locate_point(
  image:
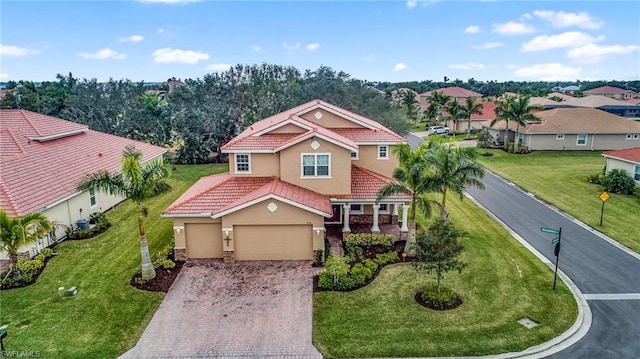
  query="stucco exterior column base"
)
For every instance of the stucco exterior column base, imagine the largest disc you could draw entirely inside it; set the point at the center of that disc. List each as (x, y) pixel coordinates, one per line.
(229, 257)
(180, 254)
(404, 236)
(375, 231)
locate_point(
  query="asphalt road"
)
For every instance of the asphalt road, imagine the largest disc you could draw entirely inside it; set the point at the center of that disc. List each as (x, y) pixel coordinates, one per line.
(608, 276)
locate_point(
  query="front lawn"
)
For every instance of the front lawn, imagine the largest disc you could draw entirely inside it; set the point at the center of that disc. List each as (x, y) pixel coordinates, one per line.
(503, 283)
(107, 316)
(560, 178)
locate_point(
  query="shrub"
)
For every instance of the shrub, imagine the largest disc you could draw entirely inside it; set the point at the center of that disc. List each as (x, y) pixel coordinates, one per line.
(484, 139)
(386, 258)
(595, 179)
(40, 257)
(47, 252)
(13, 282)
(353, 252)
(166, 264)
(445, 299)
(162, 258)
(319, 258)
(336, 267)
(636, 192)
(360, 274)
(370, 239)
(341, 282)
(373, 266)
(26, 265)
(327, 249)
(618, 181)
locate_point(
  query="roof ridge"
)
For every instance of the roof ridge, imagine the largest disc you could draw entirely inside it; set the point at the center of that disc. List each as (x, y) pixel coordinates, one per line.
(10, 199)
(28, 120)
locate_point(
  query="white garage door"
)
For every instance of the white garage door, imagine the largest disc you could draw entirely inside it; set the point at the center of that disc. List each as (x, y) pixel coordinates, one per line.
(281, 242)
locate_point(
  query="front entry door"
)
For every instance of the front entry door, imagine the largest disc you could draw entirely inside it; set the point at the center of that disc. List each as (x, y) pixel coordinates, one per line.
(336, 214)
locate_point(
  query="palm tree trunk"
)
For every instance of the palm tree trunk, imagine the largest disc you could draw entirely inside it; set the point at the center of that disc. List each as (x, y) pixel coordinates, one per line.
(411, 238)
(444, 198)
(515, 139)
(13, 266)
(506, 137)
(469, 128)
(148, 272)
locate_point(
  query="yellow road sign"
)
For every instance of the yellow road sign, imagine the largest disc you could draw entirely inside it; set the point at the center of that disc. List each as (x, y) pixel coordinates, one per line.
(604, 196)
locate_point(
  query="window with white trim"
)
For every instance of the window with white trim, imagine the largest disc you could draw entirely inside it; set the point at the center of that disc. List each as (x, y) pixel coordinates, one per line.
(92, 197)
(629, 136)
(384, 208)
(560, 137)
(355, 208)
(316, 165)
(243, 163)
(636, 176)
(383, 152)
(581, 140)
(354, 155)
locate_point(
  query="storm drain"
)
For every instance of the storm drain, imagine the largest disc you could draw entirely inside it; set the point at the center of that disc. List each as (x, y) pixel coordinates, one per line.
(527, 322)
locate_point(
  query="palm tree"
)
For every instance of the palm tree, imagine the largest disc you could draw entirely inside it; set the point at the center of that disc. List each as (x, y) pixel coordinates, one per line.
(469, 109)
(452, 168)
(409, 101)
(520, 112)
(135, 182)
(502, 111)
(16, 232)
(432, 113)
(456, 112)
(411, 179)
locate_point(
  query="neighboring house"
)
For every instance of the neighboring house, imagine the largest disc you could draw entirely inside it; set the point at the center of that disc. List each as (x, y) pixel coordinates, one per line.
(455, 92)
(478, 121)
(610, 91)
(43, 159)
(397, 95)
(573, 129)
(627, 159)
(568, 89)
(617, 107)
(293, 178)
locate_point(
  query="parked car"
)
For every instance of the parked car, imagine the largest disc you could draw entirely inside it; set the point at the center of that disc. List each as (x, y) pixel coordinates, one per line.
(438, 130)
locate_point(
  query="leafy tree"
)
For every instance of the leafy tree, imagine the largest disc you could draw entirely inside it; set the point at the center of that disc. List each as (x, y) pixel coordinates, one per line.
(618, 181)
(471, 107)
(16, 232)
(438, 249)
(137, 182)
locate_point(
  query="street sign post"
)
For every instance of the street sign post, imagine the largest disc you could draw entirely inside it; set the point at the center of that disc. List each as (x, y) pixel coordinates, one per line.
(556, 249)
(604, 196)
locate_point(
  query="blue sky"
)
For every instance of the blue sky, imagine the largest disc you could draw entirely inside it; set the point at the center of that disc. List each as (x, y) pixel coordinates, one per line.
(153, 40)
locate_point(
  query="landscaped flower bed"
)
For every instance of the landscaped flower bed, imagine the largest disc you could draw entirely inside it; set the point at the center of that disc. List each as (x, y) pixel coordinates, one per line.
(30, 270)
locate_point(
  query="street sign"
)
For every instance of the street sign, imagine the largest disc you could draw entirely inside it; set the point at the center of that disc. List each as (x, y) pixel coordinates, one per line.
(555, 240)
(549, 230)
(604, 196)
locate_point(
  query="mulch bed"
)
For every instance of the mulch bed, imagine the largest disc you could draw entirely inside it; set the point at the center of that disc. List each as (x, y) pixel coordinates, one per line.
(418, 299)
(161, 283)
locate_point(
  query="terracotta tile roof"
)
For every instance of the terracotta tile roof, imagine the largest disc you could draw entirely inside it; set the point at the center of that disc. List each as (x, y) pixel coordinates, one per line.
(365, 184)
(37, 174)
(365, 135)
(627, 154)
(454, 91)
(607, 89)
(268, 141)
(596, 101)
(223, 193)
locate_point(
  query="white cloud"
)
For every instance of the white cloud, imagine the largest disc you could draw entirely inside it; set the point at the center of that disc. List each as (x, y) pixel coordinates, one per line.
(412, 3)
(512, 66)
(4, 76)
(9, 50)
(173, 2)
(169, 55)
(132, 38)
(595, 53)
(467, 66)
(103, 54)
(513, 28)
(313, 46)
(369, 58)
(160, 31)
(566, 19)
(256, 48)
(218, 67)
(472, 29)
(549, 72)
(295, 46)
(399, 66)
(489, 46)
(566, 39)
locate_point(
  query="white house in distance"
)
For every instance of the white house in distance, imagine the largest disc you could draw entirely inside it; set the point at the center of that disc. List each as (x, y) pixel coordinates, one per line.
(43, 159)
(627, 159)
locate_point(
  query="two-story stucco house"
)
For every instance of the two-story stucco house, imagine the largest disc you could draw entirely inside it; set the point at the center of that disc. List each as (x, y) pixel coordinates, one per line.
(291, 177)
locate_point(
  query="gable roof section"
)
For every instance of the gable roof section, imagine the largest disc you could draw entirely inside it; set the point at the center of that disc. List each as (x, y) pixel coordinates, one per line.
(607, 89)
(218, 195)
(365, 185)
(38, 174)
(627, 155)
(453, 91)
(596, 101)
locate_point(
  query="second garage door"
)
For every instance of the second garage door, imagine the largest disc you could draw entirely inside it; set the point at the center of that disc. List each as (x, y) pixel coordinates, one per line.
(281, 242)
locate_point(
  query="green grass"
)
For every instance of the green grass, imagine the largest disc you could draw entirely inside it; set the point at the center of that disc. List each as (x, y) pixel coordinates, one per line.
(559, 178)
(503, 283)
(107, 316)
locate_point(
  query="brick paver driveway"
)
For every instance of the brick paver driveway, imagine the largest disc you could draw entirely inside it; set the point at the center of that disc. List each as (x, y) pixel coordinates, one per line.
(240, 310)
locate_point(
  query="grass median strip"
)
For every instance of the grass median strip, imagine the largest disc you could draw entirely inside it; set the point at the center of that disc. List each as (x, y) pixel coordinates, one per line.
(108, 315)
(502, 284)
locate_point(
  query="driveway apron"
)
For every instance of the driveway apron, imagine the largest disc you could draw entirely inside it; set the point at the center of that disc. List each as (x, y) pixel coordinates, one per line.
(239, 310)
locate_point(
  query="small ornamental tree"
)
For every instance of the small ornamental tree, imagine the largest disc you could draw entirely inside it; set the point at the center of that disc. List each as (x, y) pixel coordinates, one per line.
(618, 181)
(437, 249)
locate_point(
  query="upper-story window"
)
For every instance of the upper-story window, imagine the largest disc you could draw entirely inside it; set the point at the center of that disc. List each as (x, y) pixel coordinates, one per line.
(354, 155)
(243, 163)
(383, 152)
(316, 165)
(92, 197)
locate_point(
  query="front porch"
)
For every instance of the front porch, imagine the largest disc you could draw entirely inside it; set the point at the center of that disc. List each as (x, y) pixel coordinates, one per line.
(334, 233)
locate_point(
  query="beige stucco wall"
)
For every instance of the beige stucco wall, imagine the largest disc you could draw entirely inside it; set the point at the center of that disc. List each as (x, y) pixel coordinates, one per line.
(368, 158)
(599, 142)
(340, 167)
(285, 214)
(179, 233)
(262, 165)
(289, 129)
(329, 120)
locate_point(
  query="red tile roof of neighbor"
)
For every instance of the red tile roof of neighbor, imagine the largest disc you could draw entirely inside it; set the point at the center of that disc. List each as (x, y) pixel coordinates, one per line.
(214, 195)
(371, 131)
(38, 173)
(607, 89)
(627, 154)
(453, 92)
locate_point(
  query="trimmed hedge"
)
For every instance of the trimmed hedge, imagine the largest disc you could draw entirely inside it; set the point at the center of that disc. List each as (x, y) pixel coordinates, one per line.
(338, 275)
(370, 239)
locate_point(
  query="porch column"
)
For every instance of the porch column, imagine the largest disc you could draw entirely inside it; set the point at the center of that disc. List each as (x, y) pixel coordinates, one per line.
(395, 209)
(346, 207)
(405, 215)
(375, 228)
